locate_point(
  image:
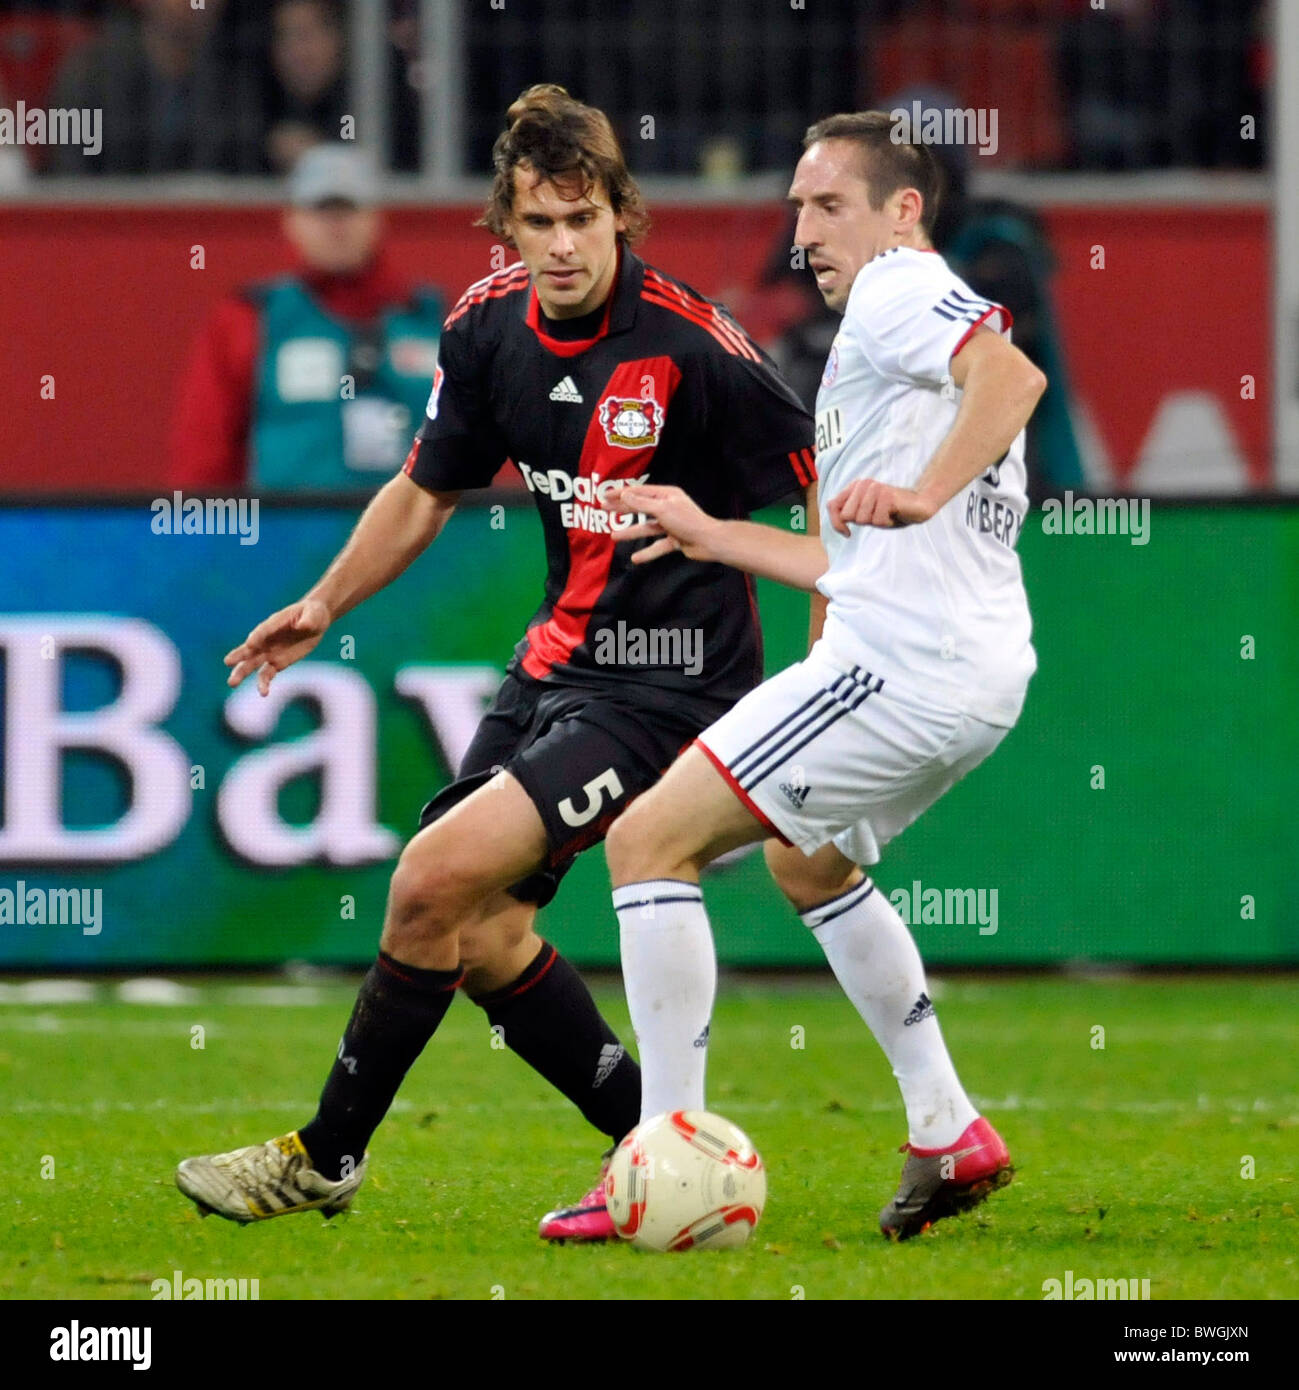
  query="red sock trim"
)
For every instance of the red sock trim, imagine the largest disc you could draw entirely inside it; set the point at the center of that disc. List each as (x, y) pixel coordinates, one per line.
(393, 967)
(531, 976)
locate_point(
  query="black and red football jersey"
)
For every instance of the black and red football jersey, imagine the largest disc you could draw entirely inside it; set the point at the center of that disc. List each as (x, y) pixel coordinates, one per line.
(665, 388)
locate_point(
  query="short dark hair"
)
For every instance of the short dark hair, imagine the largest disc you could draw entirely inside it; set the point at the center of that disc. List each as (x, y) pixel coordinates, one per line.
(559, 137)
(889, 163)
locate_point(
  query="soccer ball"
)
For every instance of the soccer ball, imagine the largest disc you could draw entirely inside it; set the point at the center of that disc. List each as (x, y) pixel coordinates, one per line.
(686, 1180)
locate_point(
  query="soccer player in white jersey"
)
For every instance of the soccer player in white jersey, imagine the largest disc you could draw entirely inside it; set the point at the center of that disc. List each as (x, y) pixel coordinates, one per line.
(920, 672)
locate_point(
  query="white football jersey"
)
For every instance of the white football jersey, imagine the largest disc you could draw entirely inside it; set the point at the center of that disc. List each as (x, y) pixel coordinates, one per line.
(939, 605)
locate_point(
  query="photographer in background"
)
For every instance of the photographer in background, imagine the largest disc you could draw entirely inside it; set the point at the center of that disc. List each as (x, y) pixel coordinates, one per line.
(314, 380)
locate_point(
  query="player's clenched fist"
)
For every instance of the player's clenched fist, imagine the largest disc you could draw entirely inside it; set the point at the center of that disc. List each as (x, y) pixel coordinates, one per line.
(871, 503)
(277, 642)
(676, 520)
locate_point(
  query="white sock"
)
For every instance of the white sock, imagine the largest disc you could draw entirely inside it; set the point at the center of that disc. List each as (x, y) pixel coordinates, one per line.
(876, 961)
(669, 970)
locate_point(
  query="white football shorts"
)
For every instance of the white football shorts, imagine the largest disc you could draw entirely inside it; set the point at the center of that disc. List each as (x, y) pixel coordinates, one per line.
(821, 752)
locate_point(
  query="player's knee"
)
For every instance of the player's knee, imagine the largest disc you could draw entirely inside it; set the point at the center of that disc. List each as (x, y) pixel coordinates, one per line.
(634, 846)
(807, 882)
(430, 892)
(619, 844)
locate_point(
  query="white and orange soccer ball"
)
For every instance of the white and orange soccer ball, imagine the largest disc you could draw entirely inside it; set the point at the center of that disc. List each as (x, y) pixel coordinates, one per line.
(687, 1180)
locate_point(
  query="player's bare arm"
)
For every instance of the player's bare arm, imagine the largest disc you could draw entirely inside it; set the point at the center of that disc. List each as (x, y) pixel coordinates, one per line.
(1000, 389)
(399, 523)
(819, 602)
(678, 523)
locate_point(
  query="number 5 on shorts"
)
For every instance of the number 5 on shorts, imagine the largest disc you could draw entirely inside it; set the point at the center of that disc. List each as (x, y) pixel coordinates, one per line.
(595, 789)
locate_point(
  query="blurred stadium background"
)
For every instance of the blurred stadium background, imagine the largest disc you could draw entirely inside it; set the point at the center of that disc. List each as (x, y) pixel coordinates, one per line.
(1143, 176)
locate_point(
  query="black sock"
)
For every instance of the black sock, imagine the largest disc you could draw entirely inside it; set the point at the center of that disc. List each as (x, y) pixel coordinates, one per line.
(550, 1020)
(397, 1011)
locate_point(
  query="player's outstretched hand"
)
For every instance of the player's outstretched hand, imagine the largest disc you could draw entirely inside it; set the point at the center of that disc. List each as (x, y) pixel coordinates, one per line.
(871, 503)
(677, 522)
(277, 642)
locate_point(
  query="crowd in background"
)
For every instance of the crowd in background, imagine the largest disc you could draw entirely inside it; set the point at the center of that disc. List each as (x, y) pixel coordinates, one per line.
(262, 87)
(243, 86)
(233, 87)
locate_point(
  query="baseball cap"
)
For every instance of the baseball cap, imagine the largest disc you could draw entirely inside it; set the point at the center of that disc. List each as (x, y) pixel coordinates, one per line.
(333, 171)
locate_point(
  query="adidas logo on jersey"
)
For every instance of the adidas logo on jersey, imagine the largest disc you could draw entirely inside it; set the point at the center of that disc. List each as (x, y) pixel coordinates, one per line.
(610, 1055)
(566, 390)
(921, 1010)
(797, 795)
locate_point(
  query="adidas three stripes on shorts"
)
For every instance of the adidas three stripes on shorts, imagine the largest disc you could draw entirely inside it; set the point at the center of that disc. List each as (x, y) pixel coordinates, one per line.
(825, 752)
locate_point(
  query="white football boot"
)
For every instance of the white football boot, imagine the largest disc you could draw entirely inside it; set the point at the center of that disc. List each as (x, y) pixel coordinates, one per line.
(264, 1180)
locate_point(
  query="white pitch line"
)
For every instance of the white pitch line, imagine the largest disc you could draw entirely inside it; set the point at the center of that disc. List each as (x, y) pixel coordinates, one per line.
(274, 996)
(177, 1027)
(163, 1106)
(229, 1105)
(158, 992)
(49, 992)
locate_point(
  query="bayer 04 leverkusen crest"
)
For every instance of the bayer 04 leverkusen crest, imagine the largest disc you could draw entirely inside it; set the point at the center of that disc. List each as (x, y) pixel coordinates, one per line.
(631, 424)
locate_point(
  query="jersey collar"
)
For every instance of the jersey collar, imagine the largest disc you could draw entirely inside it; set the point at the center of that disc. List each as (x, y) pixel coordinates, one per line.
(619, 308)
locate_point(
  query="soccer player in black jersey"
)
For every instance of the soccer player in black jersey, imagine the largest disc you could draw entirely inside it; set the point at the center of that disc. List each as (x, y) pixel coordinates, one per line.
(590, 369)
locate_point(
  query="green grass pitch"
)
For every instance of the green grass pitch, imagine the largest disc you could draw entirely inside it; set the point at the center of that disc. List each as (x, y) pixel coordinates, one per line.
(1168, 1154)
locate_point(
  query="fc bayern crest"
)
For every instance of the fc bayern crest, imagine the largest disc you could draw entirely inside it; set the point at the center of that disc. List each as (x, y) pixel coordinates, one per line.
(631, 424)
(831, 365)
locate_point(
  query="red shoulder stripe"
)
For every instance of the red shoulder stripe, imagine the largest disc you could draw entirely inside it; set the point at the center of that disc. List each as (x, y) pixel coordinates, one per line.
(700, 305)
(675, 287)
(704, 307)
(496, 277)
(712, 325)
(697, 319)
(746, 348)
(700, 309)
(495, 291)
(493, 288)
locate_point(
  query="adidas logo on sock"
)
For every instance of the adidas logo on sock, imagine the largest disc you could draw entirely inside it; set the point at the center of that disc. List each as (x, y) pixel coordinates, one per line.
(922, 1009)
(610, 1055)
(797, 795)
(566, 390)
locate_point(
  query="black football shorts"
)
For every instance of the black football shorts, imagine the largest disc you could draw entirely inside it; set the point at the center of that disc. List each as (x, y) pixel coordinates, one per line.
(581, 753)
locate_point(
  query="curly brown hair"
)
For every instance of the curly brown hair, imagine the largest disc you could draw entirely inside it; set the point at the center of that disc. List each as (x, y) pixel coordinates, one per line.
(558, 137)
